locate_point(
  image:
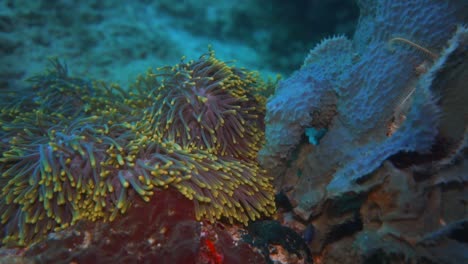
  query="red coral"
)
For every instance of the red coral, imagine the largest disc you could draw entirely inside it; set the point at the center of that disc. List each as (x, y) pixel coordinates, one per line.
(209, 252)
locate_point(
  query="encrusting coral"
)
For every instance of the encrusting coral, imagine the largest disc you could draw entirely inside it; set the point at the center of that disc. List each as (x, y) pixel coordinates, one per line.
(371, 95)
(78, 150)
(382, 111)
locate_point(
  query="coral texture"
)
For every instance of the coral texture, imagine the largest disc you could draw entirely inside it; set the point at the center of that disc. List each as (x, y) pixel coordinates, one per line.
(371, 94)
(387, 181)
(78, 150)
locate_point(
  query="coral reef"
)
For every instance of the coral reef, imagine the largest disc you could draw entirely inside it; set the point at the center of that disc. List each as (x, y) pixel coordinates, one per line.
(370, 107)
(76, 150)
(363, 149)
(381, 104)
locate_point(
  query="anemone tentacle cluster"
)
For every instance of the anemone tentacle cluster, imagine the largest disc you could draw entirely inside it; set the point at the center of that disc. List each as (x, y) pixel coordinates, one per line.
(78, 150)
(212, 106)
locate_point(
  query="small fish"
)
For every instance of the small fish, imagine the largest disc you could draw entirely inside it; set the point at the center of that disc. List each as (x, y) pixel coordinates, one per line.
(399, 114)
(315, 134)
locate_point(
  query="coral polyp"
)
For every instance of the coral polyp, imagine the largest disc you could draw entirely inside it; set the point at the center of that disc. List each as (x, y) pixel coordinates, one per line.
(76, 150)
(211, 105)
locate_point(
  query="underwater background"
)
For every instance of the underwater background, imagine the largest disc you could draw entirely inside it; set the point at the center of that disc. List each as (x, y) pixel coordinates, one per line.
(216, 132)
(118, 41)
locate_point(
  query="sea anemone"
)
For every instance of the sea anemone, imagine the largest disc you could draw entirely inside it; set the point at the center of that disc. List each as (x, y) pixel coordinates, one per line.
(77, 150)
(220, 186)
(52, 147)
(212, 105)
